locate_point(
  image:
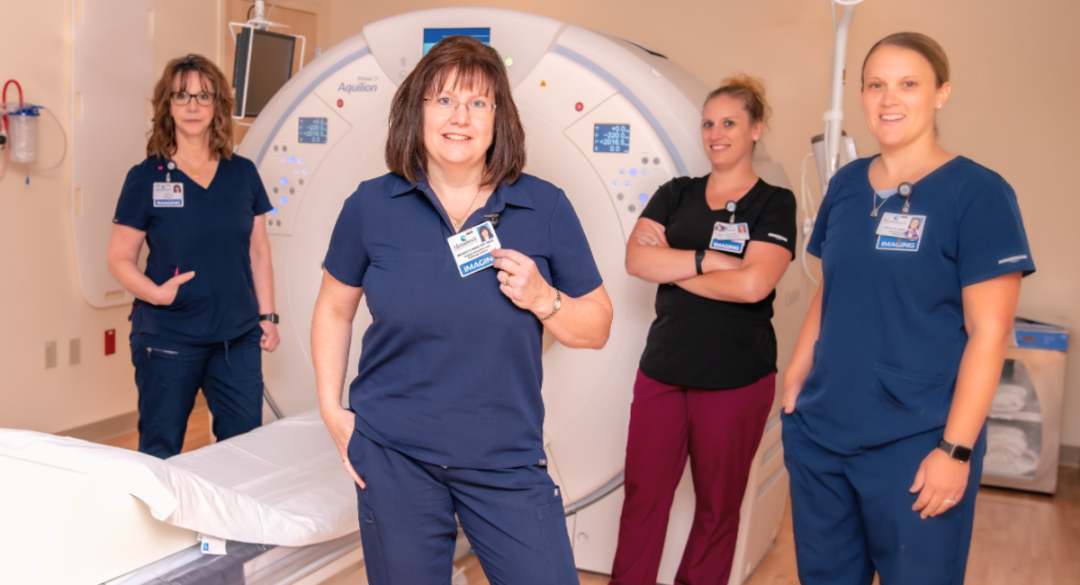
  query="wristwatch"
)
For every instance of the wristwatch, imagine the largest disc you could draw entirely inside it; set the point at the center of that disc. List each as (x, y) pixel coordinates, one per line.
(957, 452)
(698, 257)
(271, 317)
(554, 306)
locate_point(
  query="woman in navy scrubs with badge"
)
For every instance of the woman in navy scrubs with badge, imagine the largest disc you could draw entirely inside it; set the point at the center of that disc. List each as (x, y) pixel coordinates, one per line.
(446, 414)
(717, 245)
(901, 352)
(205, 305)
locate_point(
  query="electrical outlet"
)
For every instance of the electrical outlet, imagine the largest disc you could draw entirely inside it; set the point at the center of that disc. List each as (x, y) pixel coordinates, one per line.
(50, 354)
(110, 341)
(74, 351)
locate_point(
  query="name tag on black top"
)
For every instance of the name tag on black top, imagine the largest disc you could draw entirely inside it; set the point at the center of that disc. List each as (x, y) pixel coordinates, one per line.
(730, 237)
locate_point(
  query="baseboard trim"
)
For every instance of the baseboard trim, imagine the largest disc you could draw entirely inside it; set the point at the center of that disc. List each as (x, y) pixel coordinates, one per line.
(1069, 456)
(123, 424)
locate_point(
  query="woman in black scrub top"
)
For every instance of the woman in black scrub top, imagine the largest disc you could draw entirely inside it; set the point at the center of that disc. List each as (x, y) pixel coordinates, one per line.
(205, 305)
(717, 245)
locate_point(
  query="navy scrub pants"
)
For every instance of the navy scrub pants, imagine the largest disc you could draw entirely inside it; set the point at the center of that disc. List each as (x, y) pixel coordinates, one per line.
(169, 375)
(852, 514)
(513, 519)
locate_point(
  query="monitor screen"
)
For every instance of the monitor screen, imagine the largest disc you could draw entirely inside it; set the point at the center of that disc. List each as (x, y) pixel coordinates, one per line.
(312, 131)
(264, 62)
(611, 138)
(432, 36)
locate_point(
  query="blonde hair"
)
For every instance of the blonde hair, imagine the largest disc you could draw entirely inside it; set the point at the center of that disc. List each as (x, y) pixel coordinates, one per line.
(162, 141)
(751, 90)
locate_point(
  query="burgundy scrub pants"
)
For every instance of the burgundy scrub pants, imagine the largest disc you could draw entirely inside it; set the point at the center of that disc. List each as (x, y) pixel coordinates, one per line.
(720, 430)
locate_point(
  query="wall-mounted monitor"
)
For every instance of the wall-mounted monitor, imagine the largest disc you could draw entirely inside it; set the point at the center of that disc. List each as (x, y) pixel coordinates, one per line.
(264, 62)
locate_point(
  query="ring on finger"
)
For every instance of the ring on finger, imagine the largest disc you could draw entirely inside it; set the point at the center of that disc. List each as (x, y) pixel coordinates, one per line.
(506, 280)
(950, 502)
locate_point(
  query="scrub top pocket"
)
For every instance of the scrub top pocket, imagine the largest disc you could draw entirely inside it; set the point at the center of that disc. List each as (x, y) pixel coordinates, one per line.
(908, 403)
(195, 300)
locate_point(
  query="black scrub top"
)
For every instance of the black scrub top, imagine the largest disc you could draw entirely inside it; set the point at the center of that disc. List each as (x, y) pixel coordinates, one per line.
(208, 231)
(700, 342)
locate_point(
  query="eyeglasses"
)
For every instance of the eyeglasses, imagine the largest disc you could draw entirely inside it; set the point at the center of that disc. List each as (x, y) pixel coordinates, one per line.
(477, 107)
(183, 98)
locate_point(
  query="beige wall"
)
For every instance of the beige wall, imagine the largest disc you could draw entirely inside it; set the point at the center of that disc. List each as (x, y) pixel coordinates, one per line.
(1015, 79)
(40, 298)
(1014, 68)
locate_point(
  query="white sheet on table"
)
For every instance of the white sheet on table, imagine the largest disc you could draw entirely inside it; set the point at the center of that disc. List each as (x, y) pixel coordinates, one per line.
(280, 484)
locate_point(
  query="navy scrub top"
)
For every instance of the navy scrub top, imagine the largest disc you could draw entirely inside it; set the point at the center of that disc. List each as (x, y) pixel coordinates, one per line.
(450, 370)
(210, 234)
(892, 321)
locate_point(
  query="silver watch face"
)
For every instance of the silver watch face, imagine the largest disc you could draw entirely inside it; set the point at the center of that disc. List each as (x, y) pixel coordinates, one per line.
(558, 303)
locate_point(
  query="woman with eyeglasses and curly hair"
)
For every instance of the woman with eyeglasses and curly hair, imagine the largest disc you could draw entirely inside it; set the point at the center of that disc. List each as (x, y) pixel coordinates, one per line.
(205, 304)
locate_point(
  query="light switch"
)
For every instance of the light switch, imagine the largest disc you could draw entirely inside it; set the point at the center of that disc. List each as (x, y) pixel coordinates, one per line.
(74, 351)
(50, 354)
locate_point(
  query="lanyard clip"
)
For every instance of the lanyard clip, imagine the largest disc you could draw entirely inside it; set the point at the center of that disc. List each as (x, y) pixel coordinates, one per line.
(493, 218)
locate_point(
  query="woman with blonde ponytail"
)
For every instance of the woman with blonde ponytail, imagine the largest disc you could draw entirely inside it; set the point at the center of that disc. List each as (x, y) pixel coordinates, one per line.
(716, 246)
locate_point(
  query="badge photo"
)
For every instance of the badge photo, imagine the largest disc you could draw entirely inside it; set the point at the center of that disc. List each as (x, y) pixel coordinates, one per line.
(168, 195)
(472, 248)
(900, 232)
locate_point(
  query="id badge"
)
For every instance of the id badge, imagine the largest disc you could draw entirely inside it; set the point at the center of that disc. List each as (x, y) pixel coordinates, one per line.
(168, 195)
(472, 248)
(900, 232)
(730, 237)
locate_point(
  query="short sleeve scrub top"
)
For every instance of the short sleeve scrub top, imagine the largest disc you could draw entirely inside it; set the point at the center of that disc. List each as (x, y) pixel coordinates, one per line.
(892, 316)
(450, 370)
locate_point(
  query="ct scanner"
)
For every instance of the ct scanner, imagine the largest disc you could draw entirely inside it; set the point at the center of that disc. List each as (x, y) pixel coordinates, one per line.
(606, 120)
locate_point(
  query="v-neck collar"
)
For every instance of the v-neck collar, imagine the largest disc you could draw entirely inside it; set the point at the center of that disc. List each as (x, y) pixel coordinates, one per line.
(738, 204)
(866, 175)
(217, 172)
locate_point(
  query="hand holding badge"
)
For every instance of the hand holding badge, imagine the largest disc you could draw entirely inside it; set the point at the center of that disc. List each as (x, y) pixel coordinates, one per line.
(472, 248)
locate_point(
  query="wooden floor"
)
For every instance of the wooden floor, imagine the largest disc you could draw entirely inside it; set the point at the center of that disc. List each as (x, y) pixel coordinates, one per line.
(198, 434)
(1019, 539)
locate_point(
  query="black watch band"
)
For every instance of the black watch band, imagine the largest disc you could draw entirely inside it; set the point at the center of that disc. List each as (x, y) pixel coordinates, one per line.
(698, 257)
(271, 317)
(957, 452)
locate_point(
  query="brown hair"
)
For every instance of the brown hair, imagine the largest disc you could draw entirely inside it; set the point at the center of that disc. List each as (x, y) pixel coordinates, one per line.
(921, 44)
(750, 90)
(162, 142)
(470, 63)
